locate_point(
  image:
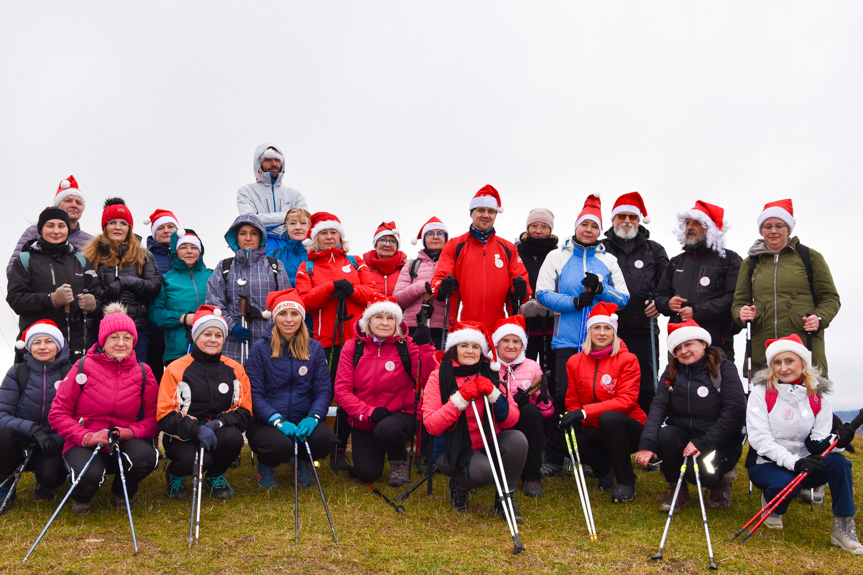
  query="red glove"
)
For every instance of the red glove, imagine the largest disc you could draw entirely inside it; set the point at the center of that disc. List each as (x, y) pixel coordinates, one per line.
(126, 434)
(484, 386)
(94, 438)
(468, 390)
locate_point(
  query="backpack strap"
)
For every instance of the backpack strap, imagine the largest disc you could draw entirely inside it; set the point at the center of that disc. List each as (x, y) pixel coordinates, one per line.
(358, 350)
(405, 356)
(814, 401)
(815, 404)
(143, 385)
(353, 261)
(414, 269)
(22, 375)
(81, 259)
(25, 259)
(274, 265)
(803, 252)
(458, 249)
(770, 397)
(716, 380)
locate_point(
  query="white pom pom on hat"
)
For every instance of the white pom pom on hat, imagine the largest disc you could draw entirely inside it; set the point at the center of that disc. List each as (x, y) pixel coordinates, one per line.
(65, 184)
(181, 232)
(266, 314)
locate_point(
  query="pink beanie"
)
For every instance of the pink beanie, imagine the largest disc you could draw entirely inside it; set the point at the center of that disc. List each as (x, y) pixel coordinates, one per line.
(114, 320)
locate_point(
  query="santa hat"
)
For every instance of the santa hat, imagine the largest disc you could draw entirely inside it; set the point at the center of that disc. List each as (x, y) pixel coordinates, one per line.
(387, 229)
(631, 203)
(42, 328)
(278, 301)
(116, 209)
(115, 318)
(486, 197)
(603, 312)
(512, 325)
(68, 187)
(323, 221)
(208, 316)
(432, 224)
(592, 210)
(712, 218)
(680, 332)
(272, 153)
(791, 343)
(380, 303)
(159, 218)
(473, 331)
(782, 209)
(188, 237)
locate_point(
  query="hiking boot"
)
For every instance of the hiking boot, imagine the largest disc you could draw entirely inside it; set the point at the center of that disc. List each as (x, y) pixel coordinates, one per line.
(237, 462)
(682, 498)
(844, 535)
(120, 502)
(774, 520)
(42, 494)
(219, 488)
(625, 493)
(720, 496)
(815, 496)
(399, 473)
(342, 463)
(304, 471)
(533, 488)
(549, 469)
(79, 508)
(175, 485)
(458, 496)
(588, 471)
(606, 482)
(498, 507)
(266, 476)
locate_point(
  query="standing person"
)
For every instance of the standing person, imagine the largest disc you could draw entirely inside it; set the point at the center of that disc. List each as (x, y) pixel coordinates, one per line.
(699, 410)
(570, 281)
(266, 197)
(289, 247)
(25, 400)
(518, 373)
(784, 287)
(107, 390)
(413, 289)
(51, 280)
(386, 260)
(642, 262)
(162, 224)
(533, 246)
(291, 392)
(699, 283)
(69, 199)
(602, 403)
(481, 272)
(248, 276)
(126, 269)
(184, 289)
(789, 418)
(204, 401)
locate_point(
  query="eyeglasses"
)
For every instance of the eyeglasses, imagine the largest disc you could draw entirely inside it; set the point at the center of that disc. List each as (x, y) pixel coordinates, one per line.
(770, 228)
(436, 234)
(116, 338)
(388, 241)
(631, 217)
(121, 223)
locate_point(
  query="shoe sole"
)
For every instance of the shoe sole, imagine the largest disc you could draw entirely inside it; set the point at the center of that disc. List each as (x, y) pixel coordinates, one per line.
(838, 544)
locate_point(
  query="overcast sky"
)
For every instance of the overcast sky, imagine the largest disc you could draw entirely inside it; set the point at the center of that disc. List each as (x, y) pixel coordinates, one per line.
(401, 110)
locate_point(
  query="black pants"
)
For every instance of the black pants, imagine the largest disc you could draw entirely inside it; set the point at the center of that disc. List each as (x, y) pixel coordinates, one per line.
(181, 454)
(672, 440)
(610, 445)
(639, 344)
(342, 428)
(555, 446)
(274, 447)
(513, 448)
(49, 471)
(531, 424)
(155, 354)
(387, 438)
(140, 458)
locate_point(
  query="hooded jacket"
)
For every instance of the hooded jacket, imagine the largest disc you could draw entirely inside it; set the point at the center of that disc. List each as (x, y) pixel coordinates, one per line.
(252, 267)
(559, 283)
(521, 375)
(290, 252)
(77, 237)
(183, 291)
(125, 285)
(111, 396)
(533, 251)
(161, 253)
(409, 293)
(266, 198)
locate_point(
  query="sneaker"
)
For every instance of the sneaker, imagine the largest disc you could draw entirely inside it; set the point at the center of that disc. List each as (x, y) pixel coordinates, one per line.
(815, 496)
(549, 469)
(668, 496)
(342, 463)
(266, 476)
(844, 535)
(533, 488)
(237, 462)
(458, 496)
(175, 485)
(606, 482)
(720, 496)
(625, 493)
(79, 508)
(399, 473)
(498, 508)
(42, 494)
(304, 471)
(219, 488)
(774, 520)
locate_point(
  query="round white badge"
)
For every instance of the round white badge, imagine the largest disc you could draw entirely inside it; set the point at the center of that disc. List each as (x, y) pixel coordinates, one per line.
(81, 378)
(498, 263)
(705, 281)
(788, 413)
(56, 385)
(389, 366)
(639, 264)
(224, 388)
(347, 268)
(606, 379)
(303, 370)
(702, 391)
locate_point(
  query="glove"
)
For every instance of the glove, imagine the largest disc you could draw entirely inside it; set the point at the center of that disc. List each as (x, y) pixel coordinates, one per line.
(845, 434)
(521, 398)
(468, 390)
(306, 426)
(125, 433)
(422, 335)
(428, 288)
(86, 302)
(47, 446)
(62, 296)
(112, 291)
(818, 447)
(572, 418)
(807, 464)
(343, 288)
(500, 408)
(286, 427)
(212, 425)
(530, 308)
(207, 438)
(519, 288)
(484, 386)
(241, 334)
(94, 438)
(591, 283)
(379, 413)
(584, 300)
(446, 288)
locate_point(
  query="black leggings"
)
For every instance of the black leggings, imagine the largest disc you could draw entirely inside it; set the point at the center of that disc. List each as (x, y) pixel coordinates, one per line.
(49, 471)
(181, 454)
(610, 445)
(513, 449)
(389, 438)
(555, 446)
(531, 424)
(274, 447)
(140, 458)
(670, 444)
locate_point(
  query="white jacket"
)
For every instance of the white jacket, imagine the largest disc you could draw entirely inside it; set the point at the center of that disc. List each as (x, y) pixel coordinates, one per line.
(268, 200)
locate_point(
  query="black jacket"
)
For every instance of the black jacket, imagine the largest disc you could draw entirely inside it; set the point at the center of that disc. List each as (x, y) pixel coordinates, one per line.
(124, 285)
(533, 252)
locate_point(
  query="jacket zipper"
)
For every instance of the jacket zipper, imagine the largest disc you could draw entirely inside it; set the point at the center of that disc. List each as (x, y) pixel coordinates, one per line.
(689, 400)
(595, 372)
(775, 296)
(53, 279)
(44, 393)
(291, 395)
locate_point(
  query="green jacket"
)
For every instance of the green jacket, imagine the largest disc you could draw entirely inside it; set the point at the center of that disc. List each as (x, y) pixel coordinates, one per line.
(780, 292)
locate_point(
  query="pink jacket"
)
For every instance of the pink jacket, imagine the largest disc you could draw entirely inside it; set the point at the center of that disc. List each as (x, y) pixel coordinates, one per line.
(110, 397)
(520, 376)
(379, 378)
(409, 294)
(440, 417)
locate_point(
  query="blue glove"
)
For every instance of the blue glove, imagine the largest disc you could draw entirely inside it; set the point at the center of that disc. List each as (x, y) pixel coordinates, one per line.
(306, 427)
(500, 408)
(212, 425)
(283, 425)
(207, 438)
(241, 334)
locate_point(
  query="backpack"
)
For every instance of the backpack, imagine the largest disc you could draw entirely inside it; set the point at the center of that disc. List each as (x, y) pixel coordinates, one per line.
(414, 269)
(25, 259)
(771, 396)
(803, 251)
(143, 382)
(22, 375)
(310, 265)
(404, 355)
(226, 269)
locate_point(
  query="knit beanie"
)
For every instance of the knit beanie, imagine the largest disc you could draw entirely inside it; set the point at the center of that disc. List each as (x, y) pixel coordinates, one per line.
(115, 319)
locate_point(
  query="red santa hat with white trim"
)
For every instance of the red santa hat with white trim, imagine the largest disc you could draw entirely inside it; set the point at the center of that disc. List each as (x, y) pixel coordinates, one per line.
(791, 343)
(631, 203)
(68, 187)
(592, 210)
(208, 316)
(278, 301)
(685, 331)
(43, 327)
(603, 312)
(710, 216)
(159, 218)
(486, 197)
(512, 325)
(323, 221)
(380, 303)
(782, 209)
(272, 152)
(186, 236)
(473, 331)
(387, 229)
(433, 224)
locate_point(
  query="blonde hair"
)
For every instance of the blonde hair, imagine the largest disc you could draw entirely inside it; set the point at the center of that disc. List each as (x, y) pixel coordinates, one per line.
(300, 214)
(298, 346)
(587, 346)
(367, 329)
(810, 376)
(135, 253)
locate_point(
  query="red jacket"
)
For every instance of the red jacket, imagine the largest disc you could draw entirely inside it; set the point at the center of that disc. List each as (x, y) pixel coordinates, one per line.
(110, 397)
(379, 378)
(610, 384)
(317, 291)
(484, 274)
(386, 272)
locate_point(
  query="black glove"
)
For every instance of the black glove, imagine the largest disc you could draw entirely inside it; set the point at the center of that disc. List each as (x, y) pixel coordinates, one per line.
(446, 288)
(428, 288)
(112, 292)
(572, 418)
(818, 447)
(519, 288)
(343, 288)
(379, 413)
(807, 464)
(584, 300)
(422, 335)
(47, 446)
(845, 434)
(591, 283)
(521, 398)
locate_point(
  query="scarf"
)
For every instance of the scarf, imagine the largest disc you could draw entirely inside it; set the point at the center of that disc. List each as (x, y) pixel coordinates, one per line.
(481, 236)
(385, 266)
(601, 353)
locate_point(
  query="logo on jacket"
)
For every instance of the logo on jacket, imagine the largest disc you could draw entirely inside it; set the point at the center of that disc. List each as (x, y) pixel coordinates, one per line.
(390, 365)
(608, 383)
(638, 263)
(705, 281)
(498, 263)
(303, 370)
(347, 268)
(788, 413)
(224, 388)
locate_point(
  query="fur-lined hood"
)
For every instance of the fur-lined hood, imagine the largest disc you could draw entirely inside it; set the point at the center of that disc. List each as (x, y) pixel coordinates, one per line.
(825, 386)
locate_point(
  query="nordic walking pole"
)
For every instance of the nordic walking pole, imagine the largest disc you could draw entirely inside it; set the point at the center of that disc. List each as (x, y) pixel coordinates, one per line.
(320, 489)
(416, 485)
(200, 489)
(445, 319)
(376, 491)
(244, 350)
(654, 368)
(748, 378)
(713, 565)
(580, 486)
(296, 495)
(333, 362)
(66, 498)
(680, 481)
(507, 494)
(28, 453)
(114, 443)
(583, 482)
(195, 487)
(419, 427)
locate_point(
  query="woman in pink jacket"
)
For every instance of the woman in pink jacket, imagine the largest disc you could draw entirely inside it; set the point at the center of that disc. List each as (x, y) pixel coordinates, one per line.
(379, 374)
(108, 389)
(518, 373)
(466, 375)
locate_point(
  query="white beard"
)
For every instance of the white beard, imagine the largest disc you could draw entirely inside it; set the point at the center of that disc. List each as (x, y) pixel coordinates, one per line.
(626, 235)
